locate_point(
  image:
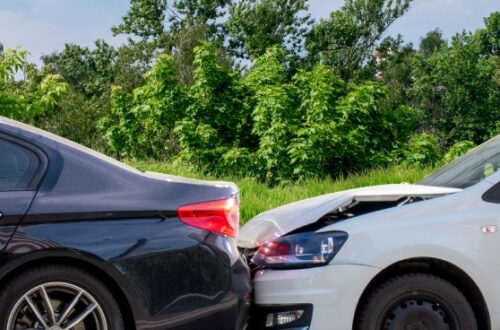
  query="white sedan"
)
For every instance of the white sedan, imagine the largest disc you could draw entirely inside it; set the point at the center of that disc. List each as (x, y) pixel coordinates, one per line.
(404, 256)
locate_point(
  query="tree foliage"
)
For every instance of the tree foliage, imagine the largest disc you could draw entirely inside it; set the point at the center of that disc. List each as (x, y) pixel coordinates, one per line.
(172, 27)
(391, 65)
(257, 88)
(141, 123)
(457, 150)
(458, 86)
(88, 71)
(432, 42)
(259, 123)
(256, 25)
(346, 40)
(30, 97)
(144, 19)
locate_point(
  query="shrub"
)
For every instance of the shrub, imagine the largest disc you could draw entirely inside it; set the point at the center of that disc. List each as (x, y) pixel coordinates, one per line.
(260, 123)
(423, 149)
(457, 150)
(141, 124)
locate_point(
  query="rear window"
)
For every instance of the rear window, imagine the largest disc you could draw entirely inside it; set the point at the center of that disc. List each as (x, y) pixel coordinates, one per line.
(18, 166)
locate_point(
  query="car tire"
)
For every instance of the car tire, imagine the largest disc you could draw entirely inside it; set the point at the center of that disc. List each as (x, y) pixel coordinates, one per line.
(71, 293)
(416, 301)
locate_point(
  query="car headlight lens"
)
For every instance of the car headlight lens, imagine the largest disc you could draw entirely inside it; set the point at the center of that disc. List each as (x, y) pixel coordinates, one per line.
(300, 250)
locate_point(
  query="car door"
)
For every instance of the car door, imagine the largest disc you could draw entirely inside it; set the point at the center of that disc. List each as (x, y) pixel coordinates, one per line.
(20, 168)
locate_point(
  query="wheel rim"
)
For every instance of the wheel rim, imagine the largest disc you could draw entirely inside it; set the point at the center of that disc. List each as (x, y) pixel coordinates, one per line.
(418, 314)
(57, 306)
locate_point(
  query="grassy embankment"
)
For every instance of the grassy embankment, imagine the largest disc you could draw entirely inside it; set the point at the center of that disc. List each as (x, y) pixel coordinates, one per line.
(258, 197)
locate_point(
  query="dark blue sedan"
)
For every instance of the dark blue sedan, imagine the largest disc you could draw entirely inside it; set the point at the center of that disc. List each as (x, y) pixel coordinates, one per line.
(87, 243)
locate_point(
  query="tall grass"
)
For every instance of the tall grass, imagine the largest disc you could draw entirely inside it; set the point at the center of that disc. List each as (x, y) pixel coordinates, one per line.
(257, 197)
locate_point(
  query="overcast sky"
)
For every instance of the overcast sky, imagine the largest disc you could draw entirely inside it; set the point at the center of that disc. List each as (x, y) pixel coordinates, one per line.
(42, 26)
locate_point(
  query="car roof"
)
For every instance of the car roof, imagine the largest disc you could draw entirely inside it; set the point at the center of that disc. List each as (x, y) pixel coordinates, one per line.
(58, 139)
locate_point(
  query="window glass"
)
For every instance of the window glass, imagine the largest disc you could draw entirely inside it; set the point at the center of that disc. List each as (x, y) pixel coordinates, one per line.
(18, 166)
(469, 169)
(493, 195)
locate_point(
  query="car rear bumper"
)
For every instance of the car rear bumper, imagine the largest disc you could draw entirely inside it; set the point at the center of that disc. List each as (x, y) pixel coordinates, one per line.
(333, 291)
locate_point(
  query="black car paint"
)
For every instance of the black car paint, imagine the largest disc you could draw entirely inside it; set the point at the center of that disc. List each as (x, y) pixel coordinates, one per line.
(123, 225)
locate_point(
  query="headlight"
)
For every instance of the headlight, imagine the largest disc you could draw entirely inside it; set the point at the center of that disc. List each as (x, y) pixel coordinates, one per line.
(300, 250)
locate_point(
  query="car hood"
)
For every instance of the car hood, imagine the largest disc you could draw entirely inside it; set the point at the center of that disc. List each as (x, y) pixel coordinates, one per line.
(285, 219)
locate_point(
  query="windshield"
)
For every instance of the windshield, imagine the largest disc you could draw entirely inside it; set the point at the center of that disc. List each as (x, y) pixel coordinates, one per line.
(469, 169)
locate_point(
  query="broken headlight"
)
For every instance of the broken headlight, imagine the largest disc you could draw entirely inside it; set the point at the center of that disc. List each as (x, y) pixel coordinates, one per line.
(300, 250)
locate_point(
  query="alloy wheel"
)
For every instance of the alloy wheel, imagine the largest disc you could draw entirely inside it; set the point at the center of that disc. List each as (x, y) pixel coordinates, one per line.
(57, 306)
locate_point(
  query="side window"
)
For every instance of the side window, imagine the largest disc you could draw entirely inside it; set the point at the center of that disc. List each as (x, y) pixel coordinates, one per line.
(493, 195)
(18, 166)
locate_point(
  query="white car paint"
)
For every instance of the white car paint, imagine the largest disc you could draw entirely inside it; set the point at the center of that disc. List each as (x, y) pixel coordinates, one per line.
(279, 221)
(449, 228)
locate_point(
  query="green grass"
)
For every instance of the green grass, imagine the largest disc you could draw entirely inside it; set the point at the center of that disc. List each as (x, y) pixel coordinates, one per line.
(257, 197)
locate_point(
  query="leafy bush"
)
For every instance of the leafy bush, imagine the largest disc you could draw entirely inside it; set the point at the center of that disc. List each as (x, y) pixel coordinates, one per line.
(258, 123)
(349, 103)
(423, 149)
(33, 96)
(458, 86)
(457, 150)
(75, 118)
(216, 120)
(141, 123)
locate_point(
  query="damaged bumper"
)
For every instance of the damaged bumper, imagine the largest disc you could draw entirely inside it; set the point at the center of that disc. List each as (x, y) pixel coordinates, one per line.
(331, 292)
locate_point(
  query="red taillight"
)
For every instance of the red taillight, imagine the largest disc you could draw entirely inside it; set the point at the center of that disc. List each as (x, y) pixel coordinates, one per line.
(221, 217)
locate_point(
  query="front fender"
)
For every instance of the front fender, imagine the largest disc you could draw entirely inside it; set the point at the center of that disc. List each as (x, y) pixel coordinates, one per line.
(461, 245)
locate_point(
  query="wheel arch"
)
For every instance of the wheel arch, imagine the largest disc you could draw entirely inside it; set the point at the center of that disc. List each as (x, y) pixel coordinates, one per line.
(440, 268)
(101, 275)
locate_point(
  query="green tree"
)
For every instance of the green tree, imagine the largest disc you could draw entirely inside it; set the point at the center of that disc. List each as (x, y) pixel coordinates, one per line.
(141, 123)
(176, 28)
(90, 72)
(144, 19)
(432, 42)
(423, 149)
(24, 93)
(459, 89)
(256, 25)
(317, 126)
(392, 65)
(490, 35)
(316, 143)
(275, 116)
(153, 20)
(261, 123)
(216, 127)
(370, 130)
(346, 40)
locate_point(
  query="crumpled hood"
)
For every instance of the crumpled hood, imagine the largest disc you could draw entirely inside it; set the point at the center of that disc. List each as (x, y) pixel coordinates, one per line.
(284, 219)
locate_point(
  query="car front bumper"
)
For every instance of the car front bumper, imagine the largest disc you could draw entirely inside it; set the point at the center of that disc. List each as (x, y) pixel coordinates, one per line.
(333, 291)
